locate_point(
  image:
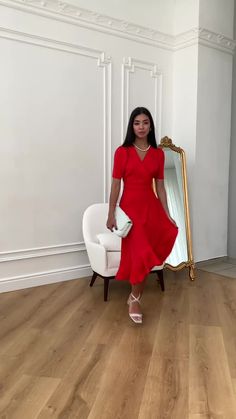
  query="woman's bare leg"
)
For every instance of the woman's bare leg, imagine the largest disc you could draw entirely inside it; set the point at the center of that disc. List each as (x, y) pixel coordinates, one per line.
(137, 290)
(142, 286)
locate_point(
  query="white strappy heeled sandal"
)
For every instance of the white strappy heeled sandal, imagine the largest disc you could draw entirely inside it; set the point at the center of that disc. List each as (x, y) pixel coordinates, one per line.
(136, 317)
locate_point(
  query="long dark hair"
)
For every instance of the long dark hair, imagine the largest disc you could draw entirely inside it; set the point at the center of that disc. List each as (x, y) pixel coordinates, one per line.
(130, 136)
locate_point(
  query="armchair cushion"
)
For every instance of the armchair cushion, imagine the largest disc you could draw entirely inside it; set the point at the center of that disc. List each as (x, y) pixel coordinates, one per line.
(110, 241)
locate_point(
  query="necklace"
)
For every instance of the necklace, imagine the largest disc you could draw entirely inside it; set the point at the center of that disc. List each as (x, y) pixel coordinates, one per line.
(142, 149)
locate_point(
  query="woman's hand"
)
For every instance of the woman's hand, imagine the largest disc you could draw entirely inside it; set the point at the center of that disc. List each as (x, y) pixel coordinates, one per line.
(115, 190)
(111, 222)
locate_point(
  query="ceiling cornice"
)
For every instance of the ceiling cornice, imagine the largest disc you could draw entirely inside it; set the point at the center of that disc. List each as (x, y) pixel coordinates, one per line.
(69, 13)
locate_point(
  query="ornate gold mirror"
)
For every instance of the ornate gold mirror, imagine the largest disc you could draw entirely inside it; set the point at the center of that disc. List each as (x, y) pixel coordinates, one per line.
(177, 197)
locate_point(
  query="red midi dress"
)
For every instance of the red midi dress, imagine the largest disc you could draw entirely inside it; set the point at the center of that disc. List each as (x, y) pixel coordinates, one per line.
(153, 235)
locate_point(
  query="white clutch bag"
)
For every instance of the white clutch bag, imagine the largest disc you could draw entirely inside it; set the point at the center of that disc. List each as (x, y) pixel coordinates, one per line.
(123, 223)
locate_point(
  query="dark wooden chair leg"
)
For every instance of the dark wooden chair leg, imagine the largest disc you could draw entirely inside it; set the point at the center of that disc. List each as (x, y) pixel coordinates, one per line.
(106, 286)
(93, 279)
(161, 279)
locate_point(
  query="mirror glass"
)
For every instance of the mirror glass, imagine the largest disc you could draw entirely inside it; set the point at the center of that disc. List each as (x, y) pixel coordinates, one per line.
(175, 197)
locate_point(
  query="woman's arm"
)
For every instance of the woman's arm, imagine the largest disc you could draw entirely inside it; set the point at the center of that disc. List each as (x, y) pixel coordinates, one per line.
(161, 192)
(114, 195)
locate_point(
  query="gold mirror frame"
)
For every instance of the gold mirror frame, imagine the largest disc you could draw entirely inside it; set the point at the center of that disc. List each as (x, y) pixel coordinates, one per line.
(166, 142)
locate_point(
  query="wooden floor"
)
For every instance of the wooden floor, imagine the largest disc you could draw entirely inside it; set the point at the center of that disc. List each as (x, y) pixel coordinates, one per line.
(65, 354)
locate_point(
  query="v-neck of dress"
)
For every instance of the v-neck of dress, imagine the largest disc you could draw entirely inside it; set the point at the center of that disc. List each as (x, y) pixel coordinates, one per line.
(146, 153)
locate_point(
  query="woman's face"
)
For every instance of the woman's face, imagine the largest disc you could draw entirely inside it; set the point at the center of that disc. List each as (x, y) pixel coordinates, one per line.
(141, 126)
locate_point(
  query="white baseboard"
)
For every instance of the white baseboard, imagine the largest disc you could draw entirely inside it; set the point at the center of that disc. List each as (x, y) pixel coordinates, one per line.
(44, 278)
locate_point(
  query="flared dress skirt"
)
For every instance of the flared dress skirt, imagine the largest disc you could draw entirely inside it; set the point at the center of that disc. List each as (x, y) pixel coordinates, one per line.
(153, 235)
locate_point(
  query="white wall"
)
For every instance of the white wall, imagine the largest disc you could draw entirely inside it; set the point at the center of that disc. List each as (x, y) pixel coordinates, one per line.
(185, 103)
(66, 92)
(186, 15)
(213, 135)
(232, 172)
(217, 15)
(202, 112)
(212, 153)
(68, 81)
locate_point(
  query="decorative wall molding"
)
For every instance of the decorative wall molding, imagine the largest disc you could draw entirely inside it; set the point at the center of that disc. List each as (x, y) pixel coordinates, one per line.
(129, 66)
(103, 62)
(63, 11)
(44, 278)
(46, 273)
(37, 252)
(204, 37)
(41, 41)
(216, 40)
(66, 12)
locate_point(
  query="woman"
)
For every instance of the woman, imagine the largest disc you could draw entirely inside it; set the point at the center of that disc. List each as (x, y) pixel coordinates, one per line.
(138, 161)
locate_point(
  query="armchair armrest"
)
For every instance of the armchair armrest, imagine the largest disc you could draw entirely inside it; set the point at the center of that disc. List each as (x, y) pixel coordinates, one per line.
(97, 257)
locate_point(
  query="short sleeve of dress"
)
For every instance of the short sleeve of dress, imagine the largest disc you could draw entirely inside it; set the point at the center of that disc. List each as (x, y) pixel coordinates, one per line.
(161, 164)
(119, 163)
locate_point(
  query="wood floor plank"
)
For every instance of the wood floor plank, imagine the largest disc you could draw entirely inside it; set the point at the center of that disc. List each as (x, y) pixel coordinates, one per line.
(9, 368)
(166, 389)
(75, 395)
(124, 376)
(65, 353)
(123, 381)
(203, 416)
(225, 294)
(203, 305)
(13, 367)
(64, 343)
(234, 385)
(27, 397)
(55, 312)
(172, 337)
(17, 316)
(13, 299)
(210, 386)
(17, 341)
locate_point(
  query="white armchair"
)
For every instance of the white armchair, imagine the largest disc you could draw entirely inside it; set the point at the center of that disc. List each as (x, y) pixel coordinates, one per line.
(104, 247)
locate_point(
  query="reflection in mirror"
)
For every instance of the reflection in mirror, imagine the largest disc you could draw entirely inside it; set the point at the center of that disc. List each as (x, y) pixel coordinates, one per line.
(177, 197)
